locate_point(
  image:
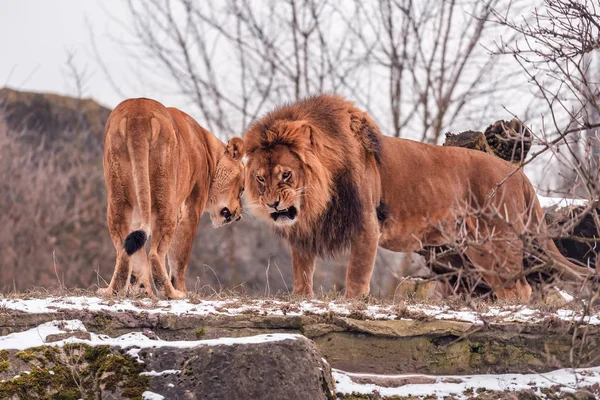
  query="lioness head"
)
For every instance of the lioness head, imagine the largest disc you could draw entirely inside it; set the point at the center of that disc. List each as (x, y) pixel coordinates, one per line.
(225, 198)
(280, 165)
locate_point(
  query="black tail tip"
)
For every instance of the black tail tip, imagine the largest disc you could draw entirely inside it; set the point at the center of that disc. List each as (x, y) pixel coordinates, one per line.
(135, 241)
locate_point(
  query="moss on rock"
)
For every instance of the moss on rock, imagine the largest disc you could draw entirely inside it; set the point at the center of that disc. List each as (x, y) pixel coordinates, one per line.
(75, 371)
(200, 332)
(4, 360)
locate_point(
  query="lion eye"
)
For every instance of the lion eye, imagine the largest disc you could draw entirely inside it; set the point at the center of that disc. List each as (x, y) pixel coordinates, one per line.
(260, 179)
(286, 175)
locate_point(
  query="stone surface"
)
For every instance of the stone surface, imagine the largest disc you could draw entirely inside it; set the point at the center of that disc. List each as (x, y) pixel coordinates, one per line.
(510, 141)
(420, 289)
(285, 369)
(412, 344)
(288, 369)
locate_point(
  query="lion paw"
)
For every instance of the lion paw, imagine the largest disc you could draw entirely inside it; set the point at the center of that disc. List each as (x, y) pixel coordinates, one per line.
(140, 290)
(176, 295)
(105, 292)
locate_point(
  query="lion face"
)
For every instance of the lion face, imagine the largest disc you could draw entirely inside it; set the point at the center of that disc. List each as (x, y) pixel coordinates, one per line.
(276, 183)
(225, 199)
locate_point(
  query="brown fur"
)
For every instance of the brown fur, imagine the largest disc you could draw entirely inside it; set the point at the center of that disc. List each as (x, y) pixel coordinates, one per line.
(355, 188)
(162, 171)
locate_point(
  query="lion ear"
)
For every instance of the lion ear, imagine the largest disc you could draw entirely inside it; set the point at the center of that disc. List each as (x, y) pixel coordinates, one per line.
(304, 132)
(235, 148)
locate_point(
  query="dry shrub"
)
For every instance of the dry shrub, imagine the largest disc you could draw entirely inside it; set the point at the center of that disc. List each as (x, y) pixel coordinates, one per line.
(53, 224)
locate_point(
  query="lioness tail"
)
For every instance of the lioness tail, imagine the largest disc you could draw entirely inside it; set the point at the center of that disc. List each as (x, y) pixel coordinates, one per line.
(138, 134)
(135, 241)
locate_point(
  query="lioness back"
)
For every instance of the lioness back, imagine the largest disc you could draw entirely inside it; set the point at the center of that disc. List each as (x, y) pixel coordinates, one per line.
(162, 171)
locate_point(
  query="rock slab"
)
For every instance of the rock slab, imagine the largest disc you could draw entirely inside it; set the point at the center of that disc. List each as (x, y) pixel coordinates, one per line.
(288, 369)
(281, 369)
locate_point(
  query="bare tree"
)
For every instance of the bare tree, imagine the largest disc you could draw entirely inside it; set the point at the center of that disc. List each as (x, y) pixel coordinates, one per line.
(232, 60)
(558, 50)
(432, 59)
(419, 68)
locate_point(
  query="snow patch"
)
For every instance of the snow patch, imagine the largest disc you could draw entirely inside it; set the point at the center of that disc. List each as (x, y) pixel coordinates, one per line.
(134, 340)
(566, 296)
(560, 202)
(162, 373)
(569, 379)
(37, 336)
(147, 395)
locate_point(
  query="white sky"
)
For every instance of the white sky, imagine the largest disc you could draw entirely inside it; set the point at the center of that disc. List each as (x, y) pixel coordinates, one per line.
(37, 36)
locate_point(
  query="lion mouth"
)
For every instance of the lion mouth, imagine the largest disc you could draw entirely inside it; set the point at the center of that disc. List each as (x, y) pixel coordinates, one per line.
(289, 213)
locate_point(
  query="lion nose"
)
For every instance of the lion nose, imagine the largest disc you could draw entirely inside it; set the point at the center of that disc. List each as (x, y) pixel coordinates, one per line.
(274, 205)
(226, 214)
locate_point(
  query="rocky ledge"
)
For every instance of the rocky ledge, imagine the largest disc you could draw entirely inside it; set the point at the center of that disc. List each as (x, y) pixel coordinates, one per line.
(78, 347)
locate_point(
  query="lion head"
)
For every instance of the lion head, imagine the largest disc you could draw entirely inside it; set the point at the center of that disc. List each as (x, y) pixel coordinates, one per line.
(304, 168)
(287, 183)
(303, 171)
(225, 195)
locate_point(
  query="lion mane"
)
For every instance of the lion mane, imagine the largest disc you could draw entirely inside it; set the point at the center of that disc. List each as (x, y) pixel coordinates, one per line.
(333, 206)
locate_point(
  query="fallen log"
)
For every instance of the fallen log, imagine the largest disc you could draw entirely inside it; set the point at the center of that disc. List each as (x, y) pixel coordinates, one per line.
(510, 141)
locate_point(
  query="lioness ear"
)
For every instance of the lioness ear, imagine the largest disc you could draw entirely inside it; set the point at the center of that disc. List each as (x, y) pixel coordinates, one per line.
(235, 148)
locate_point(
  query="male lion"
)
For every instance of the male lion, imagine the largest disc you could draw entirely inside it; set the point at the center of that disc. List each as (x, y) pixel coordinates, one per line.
(162, 171)
(326, 178)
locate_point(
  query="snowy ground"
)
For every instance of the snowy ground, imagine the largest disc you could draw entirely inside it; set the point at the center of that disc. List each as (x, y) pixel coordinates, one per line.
(565, 380)
(134, 341)
(235, 306)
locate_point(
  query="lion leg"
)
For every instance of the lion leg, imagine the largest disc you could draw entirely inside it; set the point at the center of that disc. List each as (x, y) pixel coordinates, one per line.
(139, 280)
(162, 236)
(140, 275)
(119, 220)
(304, 269)
(499, 262)
(363, 251)
(181, 247)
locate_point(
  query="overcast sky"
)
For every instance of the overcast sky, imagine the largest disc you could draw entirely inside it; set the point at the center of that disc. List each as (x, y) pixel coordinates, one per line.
(37, 36)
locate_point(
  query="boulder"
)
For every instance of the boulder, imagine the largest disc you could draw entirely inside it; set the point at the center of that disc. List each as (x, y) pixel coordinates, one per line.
(288, 368)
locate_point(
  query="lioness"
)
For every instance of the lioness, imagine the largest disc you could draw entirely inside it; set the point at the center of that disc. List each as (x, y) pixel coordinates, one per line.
(162, 171)
(326, 178)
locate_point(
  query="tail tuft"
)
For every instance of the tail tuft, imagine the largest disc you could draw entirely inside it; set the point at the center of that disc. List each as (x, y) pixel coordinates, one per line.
(135, 241)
